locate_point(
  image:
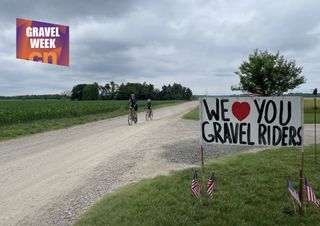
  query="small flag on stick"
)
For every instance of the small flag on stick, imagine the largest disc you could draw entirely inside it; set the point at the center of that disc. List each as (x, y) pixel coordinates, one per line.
(211, 184)
(293, 193)
(195, 186)
(311, 197)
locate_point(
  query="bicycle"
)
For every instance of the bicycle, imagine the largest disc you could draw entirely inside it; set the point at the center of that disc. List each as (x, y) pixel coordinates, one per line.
(132, 116)
(149, 114)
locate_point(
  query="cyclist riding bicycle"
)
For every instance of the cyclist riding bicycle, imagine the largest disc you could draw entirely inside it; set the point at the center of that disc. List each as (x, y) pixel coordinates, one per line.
(133, 102)
(149, 105)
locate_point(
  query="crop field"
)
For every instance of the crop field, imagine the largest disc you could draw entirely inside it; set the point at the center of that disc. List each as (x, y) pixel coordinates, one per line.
(23, 117)
(17, 111)
(26, 111)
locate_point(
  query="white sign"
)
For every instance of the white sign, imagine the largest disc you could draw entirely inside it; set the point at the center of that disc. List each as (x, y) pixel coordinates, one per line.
(261, 121)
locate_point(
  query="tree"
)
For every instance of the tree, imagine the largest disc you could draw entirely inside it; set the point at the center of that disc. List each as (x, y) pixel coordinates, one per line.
(90, 92)
(77, 92)
(114, 90)
(105, 92)
(85, 92)
(123, 91)
(187, 94)
(267, 74)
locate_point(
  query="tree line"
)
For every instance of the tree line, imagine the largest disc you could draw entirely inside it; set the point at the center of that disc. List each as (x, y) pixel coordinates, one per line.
(37, 97)
(113, 91)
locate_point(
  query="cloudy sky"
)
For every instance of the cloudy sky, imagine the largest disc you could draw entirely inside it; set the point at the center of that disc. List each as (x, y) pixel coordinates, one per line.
(194, 42)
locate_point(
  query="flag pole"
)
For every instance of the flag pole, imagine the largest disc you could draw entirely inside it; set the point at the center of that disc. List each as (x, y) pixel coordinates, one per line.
(301, 172)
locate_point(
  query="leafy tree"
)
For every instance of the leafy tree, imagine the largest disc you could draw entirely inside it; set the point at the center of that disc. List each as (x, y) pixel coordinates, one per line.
(85, 92)
(90, 92)
(114, 89)
(177, 91)
(187, 95)
(77, 92)
(267, 74)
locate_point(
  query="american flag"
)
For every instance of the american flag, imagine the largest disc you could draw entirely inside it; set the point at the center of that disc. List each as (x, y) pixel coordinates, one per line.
(195, 186)
(211, 183)
(311, 197)
(293, 192)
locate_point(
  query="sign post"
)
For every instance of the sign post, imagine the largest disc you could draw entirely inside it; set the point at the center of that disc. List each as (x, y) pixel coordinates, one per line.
(201, 148)
(315, 129)
(315, 92)
(301, 172)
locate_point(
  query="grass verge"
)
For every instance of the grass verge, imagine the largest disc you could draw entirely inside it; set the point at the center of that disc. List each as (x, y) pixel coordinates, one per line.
(17, 129)
(193, 114)
(250, 190)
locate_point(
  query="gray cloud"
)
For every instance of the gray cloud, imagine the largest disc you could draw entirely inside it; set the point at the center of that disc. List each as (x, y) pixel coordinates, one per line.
(197, 43)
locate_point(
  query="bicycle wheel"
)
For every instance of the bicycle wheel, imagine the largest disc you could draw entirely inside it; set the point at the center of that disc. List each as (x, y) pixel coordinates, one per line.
(151, 115)
(130, 119)
(135, 118)
(147, 115)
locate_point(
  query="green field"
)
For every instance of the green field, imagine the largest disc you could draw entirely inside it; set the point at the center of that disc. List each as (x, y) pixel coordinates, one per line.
(250, 190)
(22, 117)
(308, 112)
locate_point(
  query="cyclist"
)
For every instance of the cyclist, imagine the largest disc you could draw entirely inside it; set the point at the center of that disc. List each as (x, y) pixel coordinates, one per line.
(149, 105)
(133, 103)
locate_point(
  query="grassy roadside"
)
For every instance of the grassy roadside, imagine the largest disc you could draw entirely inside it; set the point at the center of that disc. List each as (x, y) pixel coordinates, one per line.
(250, 190)
(193, 114)
(308, 112)
(17, 129)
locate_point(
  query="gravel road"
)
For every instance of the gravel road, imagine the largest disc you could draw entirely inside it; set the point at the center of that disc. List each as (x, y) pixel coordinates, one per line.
(51, 178)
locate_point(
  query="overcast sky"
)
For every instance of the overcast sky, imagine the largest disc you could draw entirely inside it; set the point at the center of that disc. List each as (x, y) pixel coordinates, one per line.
(199, 44)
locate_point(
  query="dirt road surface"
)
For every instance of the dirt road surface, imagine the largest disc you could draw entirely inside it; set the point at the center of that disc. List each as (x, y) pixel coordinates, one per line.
(53, 177)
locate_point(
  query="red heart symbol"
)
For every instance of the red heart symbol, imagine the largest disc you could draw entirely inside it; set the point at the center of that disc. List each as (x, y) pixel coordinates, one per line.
(240, 110)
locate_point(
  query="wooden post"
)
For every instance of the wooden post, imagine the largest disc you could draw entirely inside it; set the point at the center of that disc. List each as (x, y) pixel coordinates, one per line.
(202, 168)
(201, 145)
(202, 160)
(301, 172)
(301, 180)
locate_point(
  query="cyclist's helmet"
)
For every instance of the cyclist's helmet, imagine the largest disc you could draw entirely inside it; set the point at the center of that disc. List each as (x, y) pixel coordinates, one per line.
(149, 100)
(132, 95)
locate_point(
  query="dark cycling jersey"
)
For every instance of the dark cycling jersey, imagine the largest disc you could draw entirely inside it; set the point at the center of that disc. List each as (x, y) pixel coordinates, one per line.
(134, 103)
(149, 105)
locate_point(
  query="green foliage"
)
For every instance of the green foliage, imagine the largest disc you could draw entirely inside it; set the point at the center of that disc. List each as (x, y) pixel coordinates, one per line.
(85, 92)
(22, 117)
(123, 91)
(25, 111)
(268, 74)
(250, 190)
